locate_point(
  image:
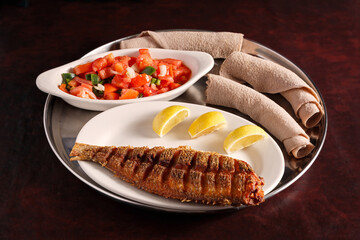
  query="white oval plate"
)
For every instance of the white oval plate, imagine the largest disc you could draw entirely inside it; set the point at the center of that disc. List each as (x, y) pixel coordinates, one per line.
(200, 63)
(132, 125)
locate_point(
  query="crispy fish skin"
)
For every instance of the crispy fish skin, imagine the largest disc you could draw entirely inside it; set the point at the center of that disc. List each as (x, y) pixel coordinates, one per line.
(179, 173)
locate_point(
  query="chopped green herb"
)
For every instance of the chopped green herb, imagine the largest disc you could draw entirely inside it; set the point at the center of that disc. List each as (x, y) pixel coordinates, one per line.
(94, 78)
(140, 95)
(106, 80)
(153, 80)
(149, 70)
(67, 77)
(97, 92)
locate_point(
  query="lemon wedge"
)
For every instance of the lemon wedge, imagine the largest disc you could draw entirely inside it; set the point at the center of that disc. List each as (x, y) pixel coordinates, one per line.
(242, 137)
(168, 118)
(207, 123)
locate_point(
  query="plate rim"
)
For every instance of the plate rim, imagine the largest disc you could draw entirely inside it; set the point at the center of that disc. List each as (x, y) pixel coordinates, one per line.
(193, 107)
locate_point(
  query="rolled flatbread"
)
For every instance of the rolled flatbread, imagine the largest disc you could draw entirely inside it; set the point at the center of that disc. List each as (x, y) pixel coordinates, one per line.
(269, 77)
(225, 92)
(217, 44)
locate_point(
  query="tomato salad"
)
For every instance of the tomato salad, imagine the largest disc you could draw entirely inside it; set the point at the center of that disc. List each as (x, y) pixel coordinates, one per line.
(125, 77)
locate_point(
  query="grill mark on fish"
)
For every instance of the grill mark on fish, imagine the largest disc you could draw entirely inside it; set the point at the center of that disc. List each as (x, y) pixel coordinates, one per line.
(114, 162)
(201, 164)
(180, 173)
(151, 159)
(102, 155)
(193, 179)
(167, 160)
(134, 159)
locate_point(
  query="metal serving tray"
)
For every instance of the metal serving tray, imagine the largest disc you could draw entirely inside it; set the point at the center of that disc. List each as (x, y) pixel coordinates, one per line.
(62, 123)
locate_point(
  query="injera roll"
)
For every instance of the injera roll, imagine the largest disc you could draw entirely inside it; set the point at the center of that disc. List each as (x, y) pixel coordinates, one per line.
(269, 77)
(225, 92)
(217, 44)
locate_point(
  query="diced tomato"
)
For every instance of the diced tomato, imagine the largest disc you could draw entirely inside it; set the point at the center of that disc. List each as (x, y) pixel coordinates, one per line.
(183, 79)
(175, 62)
(144, 51)
(83, 68)
(162, 90)
(109, 59)
(123, 59)
(82, 80)
(109, 88)
(76, 91)
(62, 87)
(172, 73)
(121, 81)
(129, 94)
(106, 73)
(73, 83)
(121, 63)
(132, 61)
(180, 72)
(148, 91)
(112, 96)
(91, 72)
(164, 84)
(174, 85)
(86, 86)
(166, 78)
(155, 63)
(99, 64)
(83, 91)
(118, 67)
(139, 89)
(144, 59)
(140, 80)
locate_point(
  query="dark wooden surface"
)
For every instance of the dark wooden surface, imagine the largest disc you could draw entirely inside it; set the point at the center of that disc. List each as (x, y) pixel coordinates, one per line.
(41, 199)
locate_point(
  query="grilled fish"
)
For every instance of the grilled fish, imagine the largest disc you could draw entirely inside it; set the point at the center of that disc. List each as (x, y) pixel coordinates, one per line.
(179, 173)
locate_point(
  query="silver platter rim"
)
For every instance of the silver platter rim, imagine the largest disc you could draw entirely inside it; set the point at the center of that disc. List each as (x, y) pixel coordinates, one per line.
(252, 47)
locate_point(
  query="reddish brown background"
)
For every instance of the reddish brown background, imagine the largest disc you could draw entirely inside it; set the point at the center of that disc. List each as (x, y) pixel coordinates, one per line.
(41, 199)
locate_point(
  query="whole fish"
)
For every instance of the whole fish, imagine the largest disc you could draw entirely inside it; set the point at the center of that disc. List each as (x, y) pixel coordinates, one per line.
(179, 173)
